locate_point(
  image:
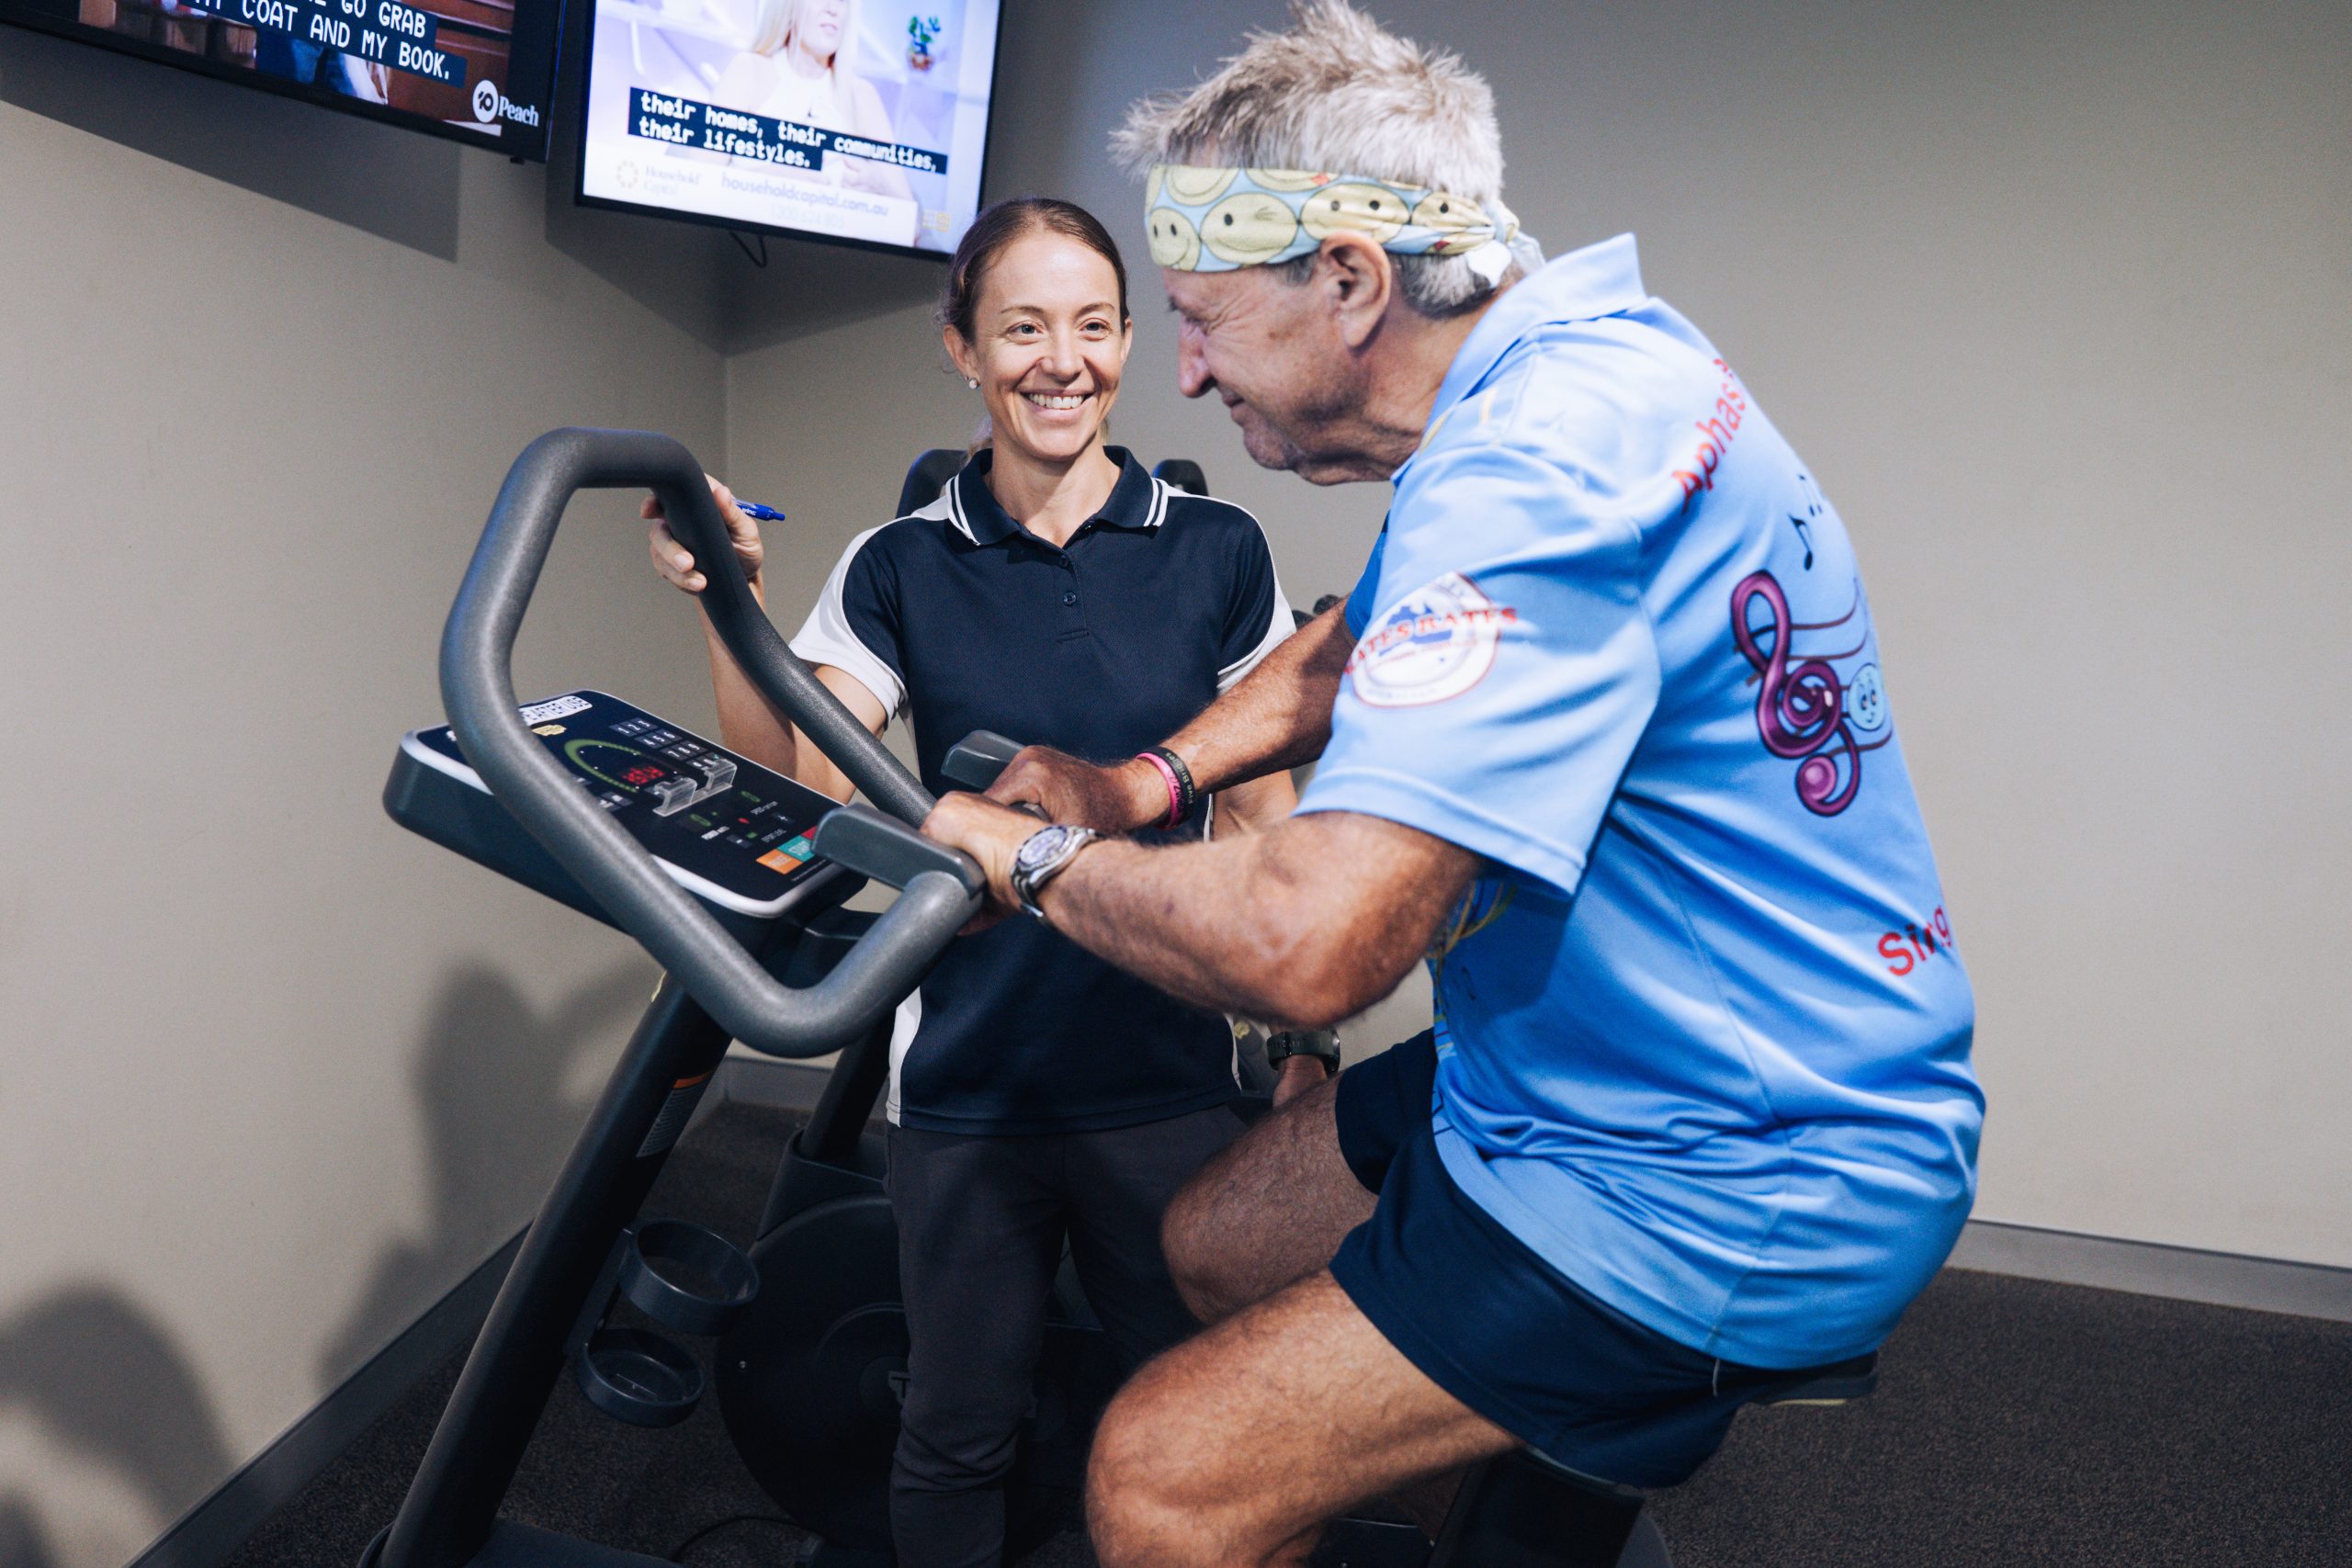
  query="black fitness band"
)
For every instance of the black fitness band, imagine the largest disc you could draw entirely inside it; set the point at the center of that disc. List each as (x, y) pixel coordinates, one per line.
(1187, 796)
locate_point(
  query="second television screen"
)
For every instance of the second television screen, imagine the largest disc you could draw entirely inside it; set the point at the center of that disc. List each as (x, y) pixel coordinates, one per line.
(864, 120)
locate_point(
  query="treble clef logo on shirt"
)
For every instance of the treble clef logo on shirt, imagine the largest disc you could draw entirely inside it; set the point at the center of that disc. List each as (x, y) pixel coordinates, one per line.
(1801, 706)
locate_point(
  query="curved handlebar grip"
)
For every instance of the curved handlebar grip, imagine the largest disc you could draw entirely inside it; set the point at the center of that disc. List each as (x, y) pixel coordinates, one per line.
(888, 851)
(976, 760)
(478, 687)
(753, 638)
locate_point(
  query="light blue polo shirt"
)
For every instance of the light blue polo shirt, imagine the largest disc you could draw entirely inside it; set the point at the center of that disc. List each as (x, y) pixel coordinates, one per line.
(1703, 1028)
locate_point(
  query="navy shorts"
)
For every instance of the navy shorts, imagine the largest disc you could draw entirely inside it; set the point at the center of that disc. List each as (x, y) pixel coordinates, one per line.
(1497, 1326)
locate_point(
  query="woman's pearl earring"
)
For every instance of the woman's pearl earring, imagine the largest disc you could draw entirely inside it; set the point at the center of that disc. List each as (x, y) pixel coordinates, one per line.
(973, 382)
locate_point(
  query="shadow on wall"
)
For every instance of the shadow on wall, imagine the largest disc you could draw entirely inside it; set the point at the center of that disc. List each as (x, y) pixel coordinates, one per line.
(491, 1080)
(393, 183)
(122, 1437)
(104, 1384)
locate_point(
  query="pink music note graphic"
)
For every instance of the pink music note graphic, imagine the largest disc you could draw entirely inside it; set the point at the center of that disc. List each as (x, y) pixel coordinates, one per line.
(1801, 705)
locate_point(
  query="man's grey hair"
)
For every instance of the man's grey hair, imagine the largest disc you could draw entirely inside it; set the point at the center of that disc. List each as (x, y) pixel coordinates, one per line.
(1338, 94)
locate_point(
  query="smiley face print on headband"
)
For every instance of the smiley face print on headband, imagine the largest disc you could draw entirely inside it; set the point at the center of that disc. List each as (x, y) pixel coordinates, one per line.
(1285, 179)
(1174, 242)
(1248, 229)
(1191, 187)
(1449, 218)
(1375, 211)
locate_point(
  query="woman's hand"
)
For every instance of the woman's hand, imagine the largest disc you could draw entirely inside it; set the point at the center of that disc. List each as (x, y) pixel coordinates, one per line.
(676, 566)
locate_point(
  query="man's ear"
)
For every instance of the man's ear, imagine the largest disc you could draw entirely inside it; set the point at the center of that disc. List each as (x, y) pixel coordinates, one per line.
(1360, 281)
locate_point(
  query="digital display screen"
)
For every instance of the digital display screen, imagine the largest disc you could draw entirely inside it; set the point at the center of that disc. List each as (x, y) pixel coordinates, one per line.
(726, 826)
(863, 122)
(480, 71)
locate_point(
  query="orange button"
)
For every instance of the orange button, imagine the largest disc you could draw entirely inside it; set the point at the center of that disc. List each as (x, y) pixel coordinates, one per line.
(777, 861)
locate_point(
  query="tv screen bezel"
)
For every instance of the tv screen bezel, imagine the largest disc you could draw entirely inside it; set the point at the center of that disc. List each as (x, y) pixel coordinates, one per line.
(586, 55)
(302, 93)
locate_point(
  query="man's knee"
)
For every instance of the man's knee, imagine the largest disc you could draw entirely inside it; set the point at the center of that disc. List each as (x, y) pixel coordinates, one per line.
(1146, 1508)
(1128, 1518)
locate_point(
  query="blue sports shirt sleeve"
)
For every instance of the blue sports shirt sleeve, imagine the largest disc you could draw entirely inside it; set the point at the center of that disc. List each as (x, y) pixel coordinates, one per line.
(1507, 668)
(1359, 606)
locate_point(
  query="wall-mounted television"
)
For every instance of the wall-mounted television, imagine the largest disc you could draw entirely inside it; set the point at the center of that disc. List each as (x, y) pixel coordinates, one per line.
(479, 71)
(860, 121)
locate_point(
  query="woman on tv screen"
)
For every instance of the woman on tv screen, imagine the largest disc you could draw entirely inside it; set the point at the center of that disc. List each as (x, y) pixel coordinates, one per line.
(792, 68)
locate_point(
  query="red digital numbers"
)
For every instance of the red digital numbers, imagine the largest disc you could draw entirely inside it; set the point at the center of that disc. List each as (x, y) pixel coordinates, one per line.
(644, 774)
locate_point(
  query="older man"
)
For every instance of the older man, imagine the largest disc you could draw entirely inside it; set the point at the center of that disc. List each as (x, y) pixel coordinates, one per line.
(1602, 736)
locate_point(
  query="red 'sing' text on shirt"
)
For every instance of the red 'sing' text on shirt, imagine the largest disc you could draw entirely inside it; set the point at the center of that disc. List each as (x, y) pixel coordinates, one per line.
(1911, 947)
(1715, 435)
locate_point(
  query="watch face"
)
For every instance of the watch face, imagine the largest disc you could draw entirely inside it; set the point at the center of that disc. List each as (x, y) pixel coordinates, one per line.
(1041, 847)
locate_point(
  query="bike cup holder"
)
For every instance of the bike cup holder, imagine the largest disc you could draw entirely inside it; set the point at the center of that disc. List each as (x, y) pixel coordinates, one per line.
(639, 1378)
(684, 1278)
(688, 1278)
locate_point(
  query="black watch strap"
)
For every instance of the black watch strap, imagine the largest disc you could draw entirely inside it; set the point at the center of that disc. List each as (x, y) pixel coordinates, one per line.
(1323, 1045)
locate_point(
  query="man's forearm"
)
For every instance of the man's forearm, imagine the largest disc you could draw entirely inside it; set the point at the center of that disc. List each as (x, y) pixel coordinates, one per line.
(1259, 925)
(1278, 716)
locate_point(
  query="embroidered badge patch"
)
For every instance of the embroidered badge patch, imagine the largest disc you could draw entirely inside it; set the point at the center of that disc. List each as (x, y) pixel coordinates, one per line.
(1436, 642)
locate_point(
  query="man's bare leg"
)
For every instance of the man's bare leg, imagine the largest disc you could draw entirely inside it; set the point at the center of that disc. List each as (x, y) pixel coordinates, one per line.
(1233, 1450)
(1268, 1210)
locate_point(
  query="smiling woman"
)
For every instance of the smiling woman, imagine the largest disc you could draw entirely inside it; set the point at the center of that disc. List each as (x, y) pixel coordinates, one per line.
(1058, 592)
(1034, 316)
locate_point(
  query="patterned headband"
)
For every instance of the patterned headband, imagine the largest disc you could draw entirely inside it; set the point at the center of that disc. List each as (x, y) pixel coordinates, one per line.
(1220, 220)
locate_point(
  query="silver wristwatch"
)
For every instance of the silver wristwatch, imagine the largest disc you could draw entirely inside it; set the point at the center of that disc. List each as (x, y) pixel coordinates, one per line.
(1040, 859)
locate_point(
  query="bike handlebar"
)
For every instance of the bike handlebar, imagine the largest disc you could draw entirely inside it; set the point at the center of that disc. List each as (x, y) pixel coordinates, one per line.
(939, 888)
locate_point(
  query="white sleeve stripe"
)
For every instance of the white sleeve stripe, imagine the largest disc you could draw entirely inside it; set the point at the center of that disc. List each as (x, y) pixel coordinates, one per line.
(1280, 626)
(826, 637)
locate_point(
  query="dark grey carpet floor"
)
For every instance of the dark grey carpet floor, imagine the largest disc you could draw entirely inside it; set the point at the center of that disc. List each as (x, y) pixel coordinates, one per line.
(2017, 1424)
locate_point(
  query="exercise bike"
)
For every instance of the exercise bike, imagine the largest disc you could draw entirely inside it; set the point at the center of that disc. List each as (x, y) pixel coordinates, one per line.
(733, 878)
(810, 1385)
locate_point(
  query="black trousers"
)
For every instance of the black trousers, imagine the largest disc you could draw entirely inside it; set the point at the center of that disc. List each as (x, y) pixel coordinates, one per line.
(981, 1226)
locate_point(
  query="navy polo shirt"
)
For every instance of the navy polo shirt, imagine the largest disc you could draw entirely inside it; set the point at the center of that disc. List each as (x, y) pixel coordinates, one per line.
(961, 619)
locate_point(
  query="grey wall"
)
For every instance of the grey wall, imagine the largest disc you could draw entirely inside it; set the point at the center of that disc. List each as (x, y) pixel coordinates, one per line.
(2057, 301)
(275, 1075)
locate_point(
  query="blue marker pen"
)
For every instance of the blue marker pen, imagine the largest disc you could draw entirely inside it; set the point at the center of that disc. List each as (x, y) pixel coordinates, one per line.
(754, 509)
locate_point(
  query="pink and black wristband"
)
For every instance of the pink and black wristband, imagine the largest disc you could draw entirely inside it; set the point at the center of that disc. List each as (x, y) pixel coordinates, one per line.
(1181, 795)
